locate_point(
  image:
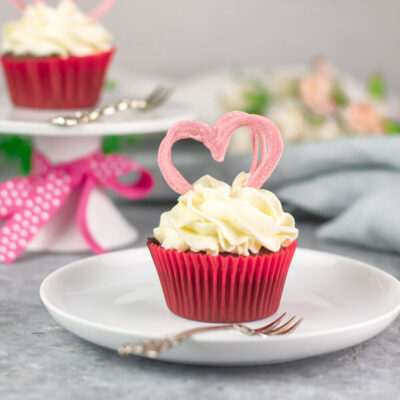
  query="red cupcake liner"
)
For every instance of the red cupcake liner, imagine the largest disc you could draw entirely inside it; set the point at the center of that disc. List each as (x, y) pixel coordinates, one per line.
(222, 288)
(55, 82)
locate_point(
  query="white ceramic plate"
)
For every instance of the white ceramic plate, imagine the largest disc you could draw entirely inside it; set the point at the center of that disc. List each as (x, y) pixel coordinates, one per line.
(116, 298)
(35, 122)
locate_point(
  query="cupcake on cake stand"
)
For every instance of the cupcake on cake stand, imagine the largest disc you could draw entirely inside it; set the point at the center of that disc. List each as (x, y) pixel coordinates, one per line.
(60, 64)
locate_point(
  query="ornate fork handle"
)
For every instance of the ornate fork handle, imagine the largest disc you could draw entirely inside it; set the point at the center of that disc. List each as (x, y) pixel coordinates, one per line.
(153, 348)
(155, 99)
(81, 117)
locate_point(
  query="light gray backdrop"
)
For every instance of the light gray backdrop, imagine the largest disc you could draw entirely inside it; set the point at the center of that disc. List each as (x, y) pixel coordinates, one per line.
(181, 37)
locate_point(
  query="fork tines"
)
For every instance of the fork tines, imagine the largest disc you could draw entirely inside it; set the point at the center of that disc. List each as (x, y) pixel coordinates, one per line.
(273, 328)
(158, 96)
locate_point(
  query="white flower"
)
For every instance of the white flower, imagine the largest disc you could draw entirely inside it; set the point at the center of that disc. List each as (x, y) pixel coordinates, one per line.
(240, 142)
(232, 98)
(244, 94)
(329, 129)
(288, 116)
(282, 84)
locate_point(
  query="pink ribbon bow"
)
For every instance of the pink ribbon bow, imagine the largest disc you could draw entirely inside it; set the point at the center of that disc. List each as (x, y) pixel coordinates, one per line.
(28, 203)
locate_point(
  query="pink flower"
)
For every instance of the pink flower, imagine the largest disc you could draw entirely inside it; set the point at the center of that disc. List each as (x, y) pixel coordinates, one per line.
(362, 117)
(316, 92)
(325, 68)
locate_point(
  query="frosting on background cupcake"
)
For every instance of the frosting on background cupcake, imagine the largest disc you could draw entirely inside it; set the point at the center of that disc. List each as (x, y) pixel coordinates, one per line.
(217, 218)
(62, 31)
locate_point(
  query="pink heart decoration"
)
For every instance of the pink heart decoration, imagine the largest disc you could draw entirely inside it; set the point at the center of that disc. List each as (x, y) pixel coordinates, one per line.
(102, 9)
(216, 138)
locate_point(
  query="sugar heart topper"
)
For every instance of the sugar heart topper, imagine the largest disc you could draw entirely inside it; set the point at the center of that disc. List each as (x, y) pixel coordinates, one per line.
(216, 138)
(95, 14)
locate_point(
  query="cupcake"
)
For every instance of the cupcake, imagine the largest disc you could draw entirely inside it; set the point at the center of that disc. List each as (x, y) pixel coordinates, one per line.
(55, 57)
(223, 251)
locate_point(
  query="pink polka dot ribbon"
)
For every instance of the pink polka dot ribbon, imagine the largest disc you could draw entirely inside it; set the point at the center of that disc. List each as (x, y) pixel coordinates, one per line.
(27, 204)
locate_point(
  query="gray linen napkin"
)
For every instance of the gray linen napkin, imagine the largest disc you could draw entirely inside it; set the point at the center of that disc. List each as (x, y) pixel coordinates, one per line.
(353, 182)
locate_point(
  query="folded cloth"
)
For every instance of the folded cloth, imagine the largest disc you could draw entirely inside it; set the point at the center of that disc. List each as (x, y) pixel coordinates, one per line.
(353, 182)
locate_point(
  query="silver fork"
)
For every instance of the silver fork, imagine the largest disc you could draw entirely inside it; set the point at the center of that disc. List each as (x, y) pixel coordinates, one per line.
(156, 98)
(153, 348)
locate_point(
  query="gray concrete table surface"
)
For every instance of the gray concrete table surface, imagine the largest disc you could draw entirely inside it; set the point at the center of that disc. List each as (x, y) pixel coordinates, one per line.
(41, 360)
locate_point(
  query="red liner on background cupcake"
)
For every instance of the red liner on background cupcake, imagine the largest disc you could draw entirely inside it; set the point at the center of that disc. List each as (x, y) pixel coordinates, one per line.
(55, 82)
(222, 288)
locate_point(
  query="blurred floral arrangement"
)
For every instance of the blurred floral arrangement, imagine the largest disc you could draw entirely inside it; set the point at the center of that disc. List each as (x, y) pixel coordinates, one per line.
(311, 103)
(314, 103)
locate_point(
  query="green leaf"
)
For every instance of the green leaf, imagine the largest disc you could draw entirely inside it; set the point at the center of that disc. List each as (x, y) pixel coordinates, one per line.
(376, 86)
(256, 100)
(255, 95)
(316, 119)
(392, 127)
(115, 144)
(339, 95)
(110, 85)
(133, 139)
(26, 156)
(17, 148)
(111, 144)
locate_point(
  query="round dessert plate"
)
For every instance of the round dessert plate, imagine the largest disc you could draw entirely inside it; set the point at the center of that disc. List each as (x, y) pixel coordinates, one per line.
(116, 298)
(25, 121)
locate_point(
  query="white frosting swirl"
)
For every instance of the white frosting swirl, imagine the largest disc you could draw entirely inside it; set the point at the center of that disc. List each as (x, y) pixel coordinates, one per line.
(216, 218)
(62, 31)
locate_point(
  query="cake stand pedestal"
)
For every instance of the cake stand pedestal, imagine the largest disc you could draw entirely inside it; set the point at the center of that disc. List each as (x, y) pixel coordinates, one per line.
(61, 234)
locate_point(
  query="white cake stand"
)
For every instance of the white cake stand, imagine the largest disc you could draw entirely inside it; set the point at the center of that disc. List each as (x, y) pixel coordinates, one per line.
(60, 145)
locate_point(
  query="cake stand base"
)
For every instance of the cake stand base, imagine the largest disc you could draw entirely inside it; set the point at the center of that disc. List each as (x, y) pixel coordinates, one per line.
(62, 234)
